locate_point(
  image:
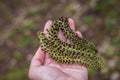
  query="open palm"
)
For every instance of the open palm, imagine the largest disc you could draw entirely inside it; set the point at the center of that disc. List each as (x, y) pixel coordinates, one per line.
(44, 68)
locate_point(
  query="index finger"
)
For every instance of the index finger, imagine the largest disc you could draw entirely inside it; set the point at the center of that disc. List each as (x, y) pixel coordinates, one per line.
(47, 27)
(71, 24)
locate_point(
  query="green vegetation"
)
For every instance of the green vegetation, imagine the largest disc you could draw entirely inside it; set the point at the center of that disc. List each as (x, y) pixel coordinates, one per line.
(17, 74)
(103, 5)
(89, 21)
(116, 41)
(29, 25)
(109, 24)
(24, 42)
(17, 55)
(91, 72)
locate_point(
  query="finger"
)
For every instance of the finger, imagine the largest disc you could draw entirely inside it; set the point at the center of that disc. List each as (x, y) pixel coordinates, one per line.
(47, 27)
(72, 26)
(79, 34)
(38, 58)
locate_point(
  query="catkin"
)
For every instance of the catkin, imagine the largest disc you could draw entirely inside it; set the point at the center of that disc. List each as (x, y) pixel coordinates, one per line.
(80, 51)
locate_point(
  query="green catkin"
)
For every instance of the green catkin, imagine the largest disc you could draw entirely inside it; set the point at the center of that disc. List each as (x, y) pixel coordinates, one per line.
(80, 51)
(55, 27)
(68, 59)
(68, 31)
(57, 41)
(72, 51)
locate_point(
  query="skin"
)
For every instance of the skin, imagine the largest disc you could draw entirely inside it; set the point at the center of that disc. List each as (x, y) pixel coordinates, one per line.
(44, 68)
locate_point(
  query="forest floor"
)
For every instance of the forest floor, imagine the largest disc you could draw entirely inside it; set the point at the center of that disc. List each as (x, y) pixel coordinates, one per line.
(20, 20)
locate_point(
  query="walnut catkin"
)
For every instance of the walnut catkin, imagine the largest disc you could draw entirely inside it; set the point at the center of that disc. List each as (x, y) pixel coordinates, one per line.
(80, 51)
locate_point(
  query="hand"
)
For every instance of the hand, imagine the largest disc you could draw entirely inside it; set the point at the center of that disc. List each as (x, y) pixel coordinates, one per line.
(44, 68)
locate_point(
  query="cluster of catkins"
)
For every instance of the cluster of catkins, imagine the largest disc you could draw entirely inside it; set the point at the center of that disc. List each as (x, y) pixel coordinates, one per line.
(80, 51)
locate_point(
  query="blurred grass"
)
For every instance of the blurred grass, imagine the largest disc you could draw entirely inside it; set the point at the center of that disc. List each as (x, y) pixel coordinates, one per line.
(89, 21)
(103, 6)
(30, 25)
(24, 42)
(17, 55)
(17, 74)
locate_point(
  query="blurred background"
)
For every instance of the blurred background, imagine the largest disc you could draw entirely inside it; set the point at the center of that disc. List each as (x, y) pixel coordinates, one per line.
(20, 20)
